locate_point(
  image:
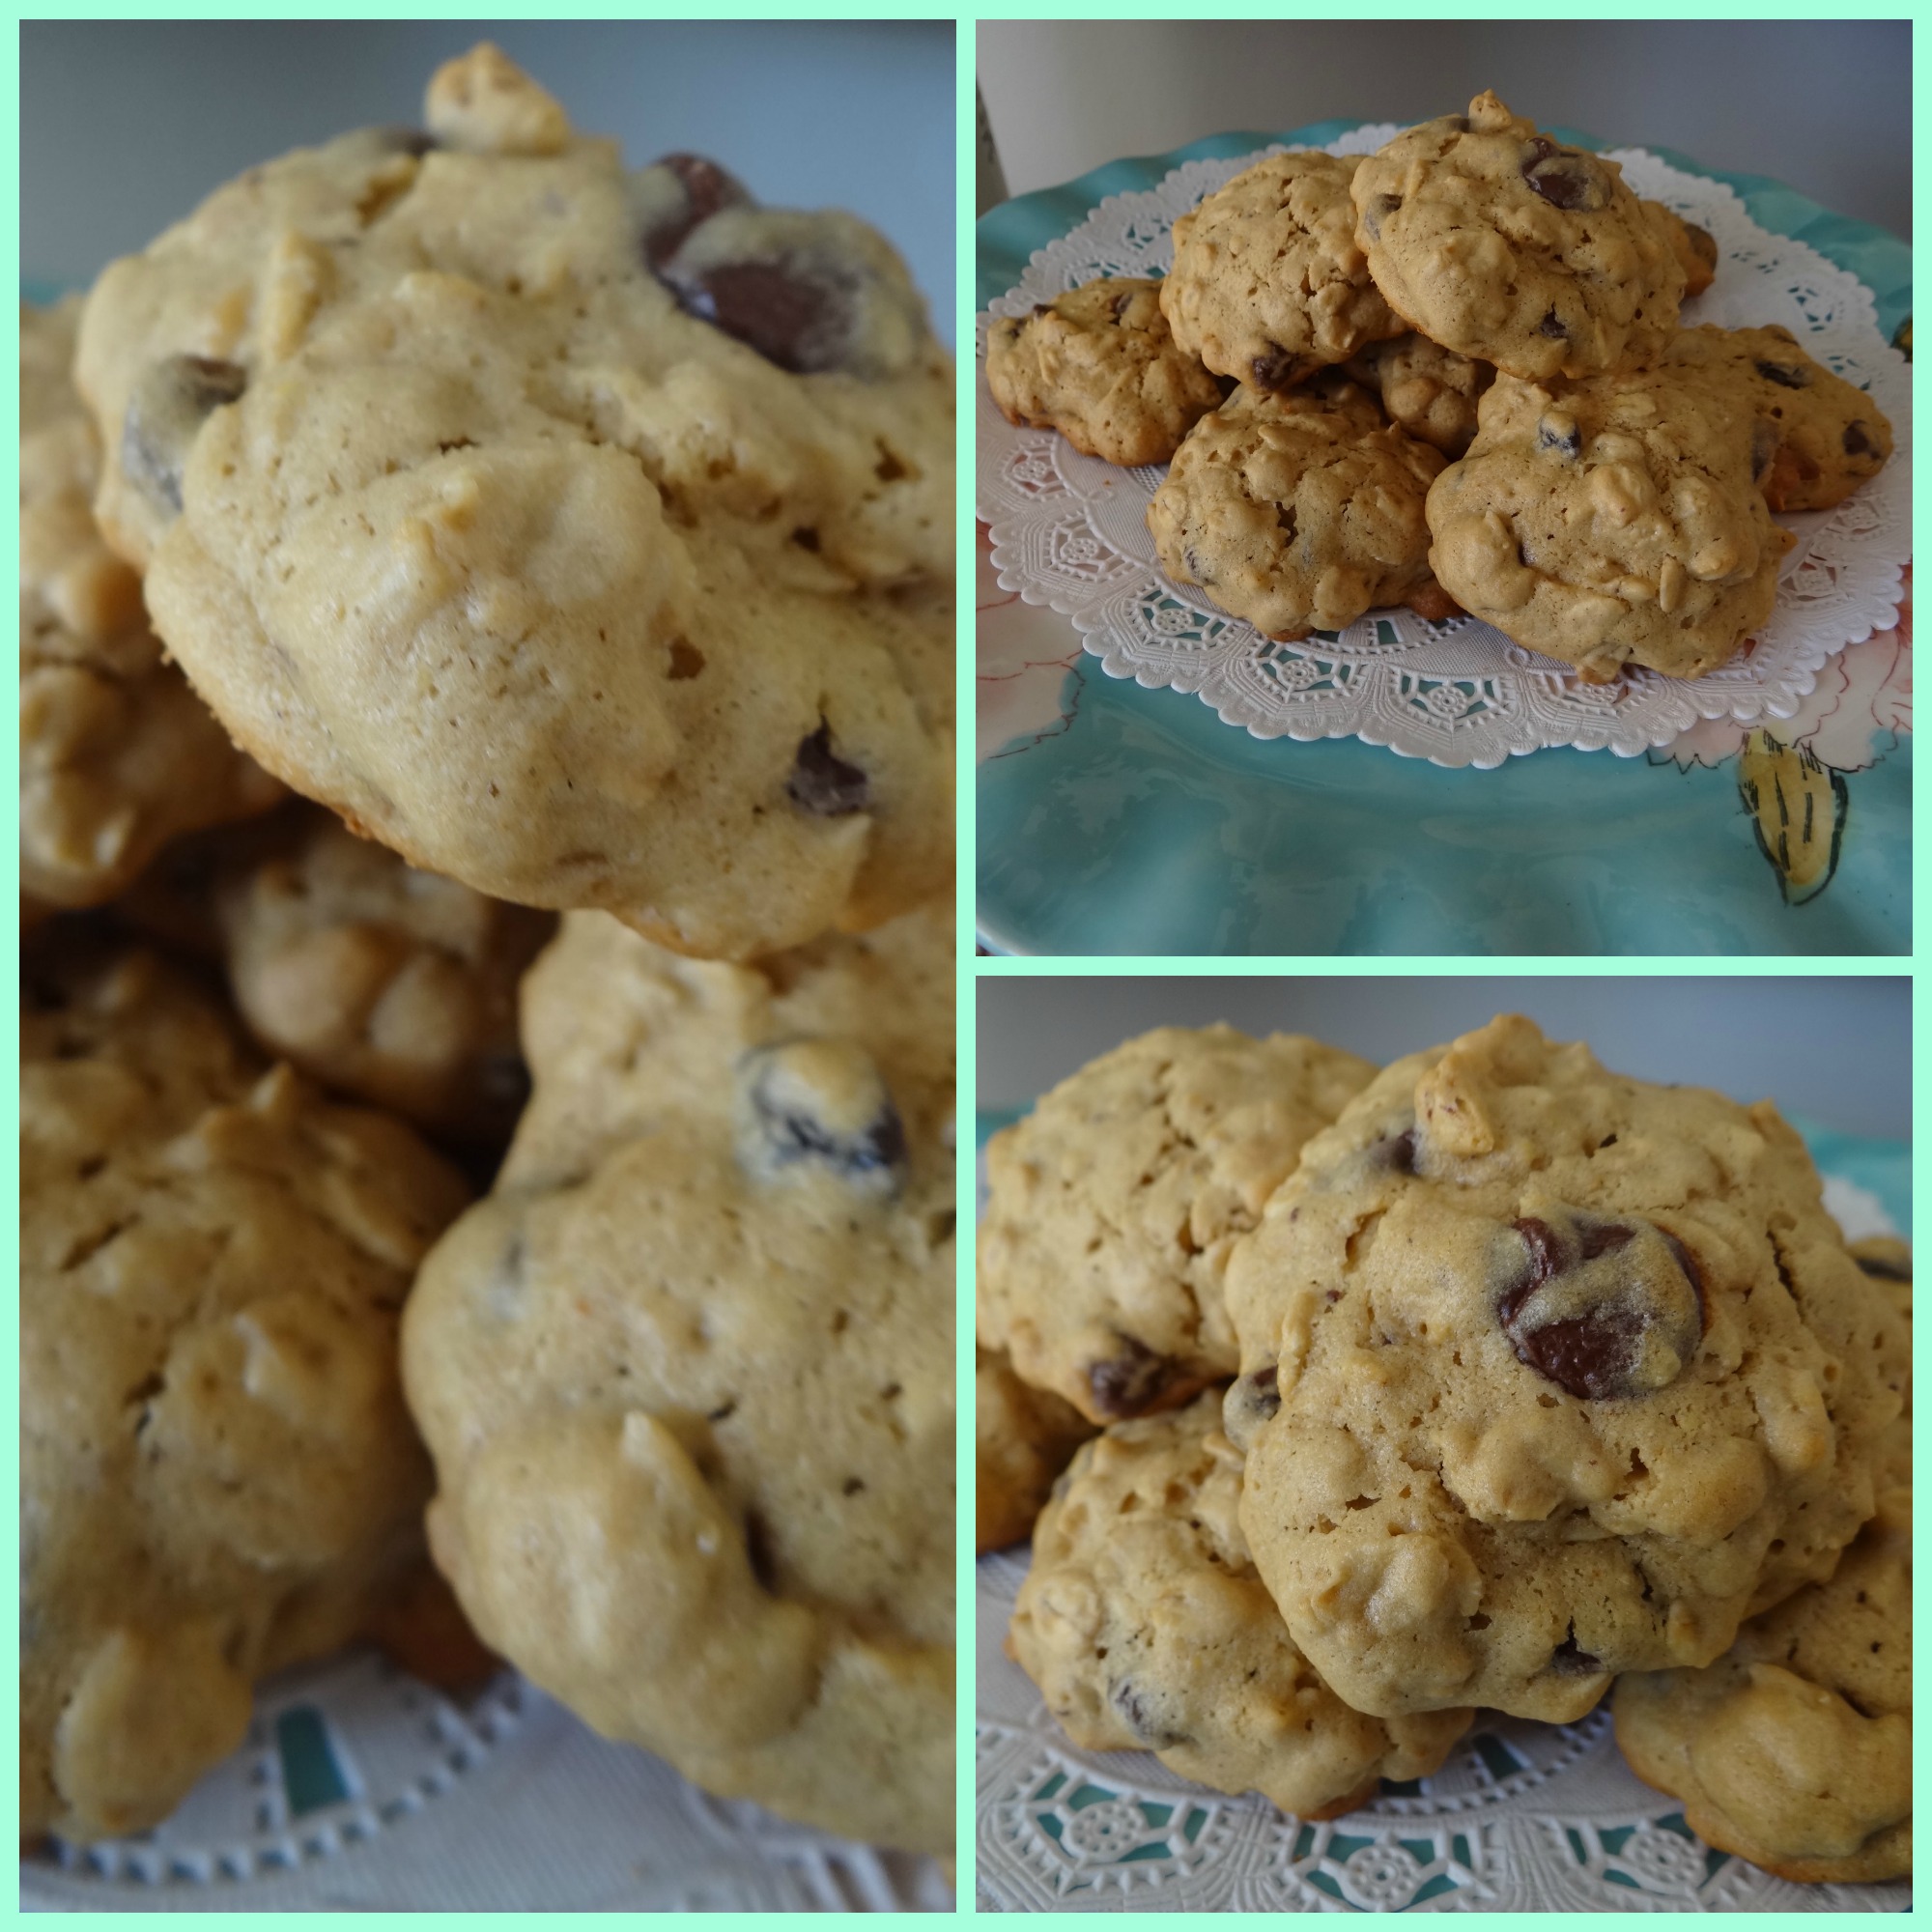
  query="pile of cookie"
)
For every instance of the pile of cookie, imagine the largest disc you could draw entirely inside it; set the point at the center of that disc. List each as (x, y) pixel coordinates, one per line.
(1490, 1380)
(437, 532)
(1451, 375)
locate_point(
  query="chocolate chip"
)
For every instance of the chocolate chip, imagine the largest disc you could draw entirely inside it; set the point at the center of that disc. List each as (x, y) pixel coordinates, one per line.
(678, 193)
(1559, 435)
(1274, 370)
(1135, 1706)
(1250, 1402)
(1786, 375)
(1855, 441)
(166, 413)
(820, 1102)
(1563, 177)
(1396, 1151)
(822, 783)
(1126, 1383)
(1121, 304)
(813, 294)
(1601, 1333)
(1883, 1268)
(417, 141)
(1550, 326)
(1766, 436)
(1380, 207)
(1569, 1660)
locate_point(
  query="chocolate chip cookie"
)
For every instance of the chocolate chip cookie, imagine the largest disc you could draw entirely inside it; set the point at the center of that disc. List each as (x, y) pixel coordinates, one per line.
(218, 1476)
(117, 755)
(1100, 365)
(1429, 391)
(583, 535)
(688, 1373)
(1025, 1435)
(1111, 1208)
(1299, 512)
(1269, 282)
(1829, 436)
(1146, 1626)
(1501, 243)
(1794, 1749)
(1548, 1374)
(1614, 521)
(1695, 249)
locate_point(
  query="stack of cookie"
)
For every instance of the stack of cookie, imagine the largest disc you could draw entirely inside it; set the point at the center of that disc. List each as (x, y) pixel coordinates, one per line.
(1493, 1380)
(1462, 386)
(575, 541)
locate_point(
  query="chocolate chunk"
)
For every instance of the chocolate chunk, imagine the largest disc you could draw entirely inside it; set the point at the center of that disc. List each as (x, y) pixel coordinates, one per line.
(1559, 435)
(1250, 1402)
(1127, 1382)
(1551, 325)
(1606, 1310)
(1396, 1151)
(1135, 1706)
(820, 1102)
(822, 783)
(417, 141)
(1274, 370)
(1857, 441)
(166, 413)
(701, 188)
(1786, 375)
(1883, 1268)
(765, 307)
(1121, 304)
(1565, 178)
(1380, 207)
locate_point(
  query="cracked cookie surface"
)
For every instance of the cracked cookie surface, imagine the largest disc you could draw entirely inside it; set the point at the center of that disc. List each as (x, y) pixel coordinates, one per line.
(1099, 364)
(686, 1374)
(1548, 1374)
(1113, 1206)
(584, 535)
(1146, 1626)
(219, 1477)
(1498, 242)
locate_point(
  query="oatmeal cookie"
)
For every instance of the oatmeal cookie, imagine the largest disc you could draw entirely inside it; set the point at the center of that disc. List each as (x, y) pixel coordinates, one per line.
(1299, 512)
(1695, 249)
(1829, 435)
(1113, 1206)
(1098, 366)
(1498, 242)
(1548, 1374)
(1794, 1749)
(1612, 522)
(584, 536)
(1428, 390)
(218, 1474)
(688, 1374)
(117, 755)
(1144, 1624)
(1269, 282)
(1025, 1436)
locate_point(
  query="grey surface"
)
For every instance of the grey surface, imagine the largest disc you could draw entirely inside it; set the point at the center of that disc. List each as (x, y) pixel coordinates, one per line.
(125, 126)
(1837, 1050)
(1825, 107)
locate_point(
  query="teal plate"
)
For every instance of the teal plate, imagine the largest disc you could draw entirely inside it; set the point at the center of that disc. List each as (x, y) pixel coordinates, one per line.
(1140, 823)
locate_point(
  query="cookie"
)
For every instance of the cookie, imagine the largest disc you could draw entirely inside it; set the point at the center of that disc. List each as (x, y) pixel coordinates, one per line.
(1829, 435)
(1299, 512)
(1025, 1436)
(1548, 1374)
(1269, 282)
(1695, 249)
(1612, 522)
(218, 1474)
(1098, 366)
(388, 984)
(1888, 1261)
(117, 755)
(584, 536)
(1113, 1206)
(688, 1374)
(1427, 390)
(1794, 1749)
(1498, 242)
(1146, 1626)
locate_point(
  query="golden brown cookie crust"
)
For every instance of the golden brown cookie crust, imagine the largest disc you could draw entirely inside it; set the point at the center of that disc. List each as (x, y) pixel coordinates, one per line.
(1025, 1436)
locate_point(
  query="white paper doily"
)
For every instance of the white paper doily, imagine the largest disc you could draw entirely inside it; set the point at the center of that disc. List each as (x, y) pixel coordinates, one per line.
(360, 1789)
(1068, 531)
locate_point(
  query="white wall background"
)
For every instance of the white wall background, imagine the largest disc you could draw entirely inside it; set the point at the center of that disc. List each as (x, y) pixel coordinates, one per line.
(1838, 1049)
(125, 126)
(1824, 106)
